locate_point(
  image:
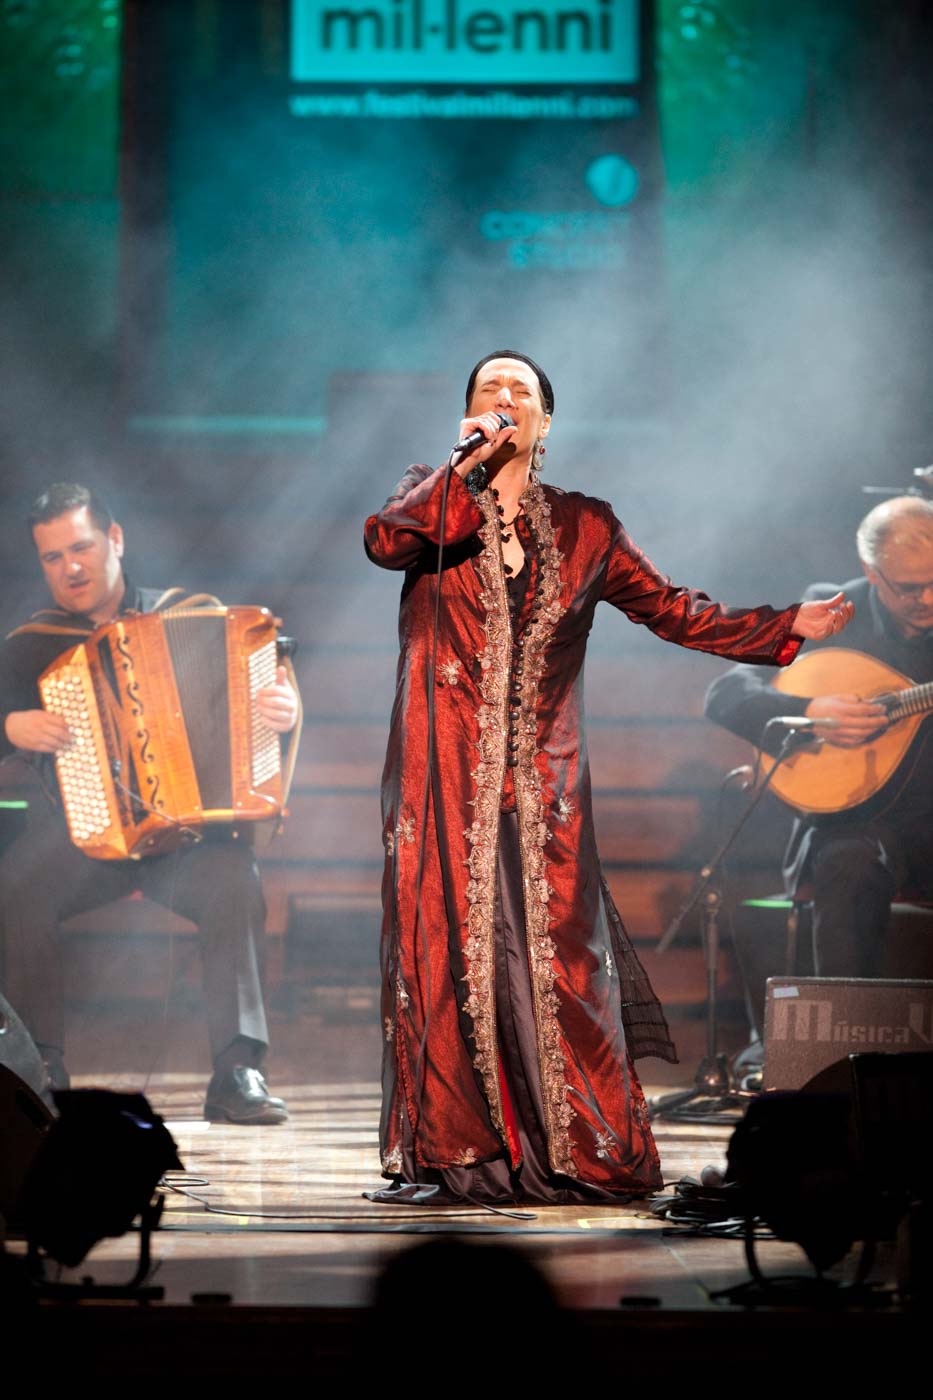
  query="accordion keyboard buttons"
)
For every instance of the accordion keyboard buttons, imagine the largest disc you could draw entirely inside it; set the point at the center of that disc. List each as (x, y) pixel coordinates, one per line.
(78, 766)
(265, 753)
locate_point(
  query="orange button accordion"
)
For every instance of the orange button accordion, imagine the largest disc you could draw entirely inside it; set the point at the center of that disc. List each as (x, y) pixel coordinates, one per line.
(167, 737)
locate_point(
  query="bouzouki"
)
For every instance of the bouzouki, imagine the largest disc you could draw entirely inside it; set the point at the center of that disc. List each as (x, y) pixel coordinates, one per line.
(825, 778)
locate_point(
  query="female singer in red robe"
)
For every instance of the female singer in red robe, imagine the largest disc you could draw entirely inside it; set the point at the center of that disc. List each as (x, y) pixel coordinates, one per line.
(513, 1002)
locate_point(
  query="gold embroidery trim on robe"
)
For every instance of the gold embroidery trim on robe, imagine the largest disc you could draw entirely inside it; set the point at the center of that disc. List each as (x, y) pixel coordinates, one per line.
(534, 835)
(483, 835)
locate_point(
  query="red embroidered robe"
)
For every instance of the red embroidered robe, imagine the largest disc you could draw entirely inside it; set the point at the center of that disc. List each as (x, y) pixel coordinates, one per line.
(589, 991)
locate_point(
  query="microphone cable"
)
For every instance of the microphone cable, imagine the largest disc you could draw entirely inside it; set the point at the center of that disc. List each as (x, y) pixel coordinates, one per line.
(426, 790)
(429, 771)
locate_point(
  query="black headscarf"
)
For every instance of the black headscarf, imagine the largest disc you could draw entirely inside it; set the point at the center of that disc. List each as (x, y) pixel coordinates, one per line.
(547, 393)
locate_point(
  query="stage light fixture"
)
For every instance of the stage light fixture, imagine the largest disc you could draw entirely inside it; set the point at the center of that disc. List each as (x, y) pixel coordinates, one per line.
(795, 1159)
(95, 1173)
(826, 1170)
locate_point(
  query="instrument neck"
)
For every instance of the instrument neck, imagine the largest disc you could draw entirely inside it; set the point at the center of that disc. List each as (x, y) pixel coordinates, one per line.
(916, 700)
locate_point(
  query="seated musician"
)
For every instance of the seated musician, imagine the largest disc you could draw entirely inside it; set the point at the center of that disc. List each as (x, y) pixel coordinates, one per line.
(44, 878)
(854, 861)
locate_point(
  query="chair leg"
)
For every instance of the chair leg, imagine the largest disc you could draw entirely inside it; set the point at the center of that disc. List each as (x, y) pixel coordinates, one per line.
(790, 946)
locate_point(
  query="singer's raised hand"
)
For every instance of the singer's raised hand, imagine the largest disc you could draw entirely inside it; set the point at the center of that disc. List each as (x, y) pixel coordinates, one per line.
(496, 436)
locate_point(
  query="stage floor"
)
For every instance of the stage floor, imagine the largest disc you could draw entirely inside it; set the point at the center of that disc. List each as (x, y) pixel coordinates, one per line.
(269, 1255)
(275, 1216)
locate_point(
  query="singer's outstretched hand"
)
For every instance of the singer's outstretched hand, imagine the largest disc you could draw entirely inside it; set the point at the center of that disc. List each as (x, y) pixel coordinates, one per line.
(821, 619)
(496, 437)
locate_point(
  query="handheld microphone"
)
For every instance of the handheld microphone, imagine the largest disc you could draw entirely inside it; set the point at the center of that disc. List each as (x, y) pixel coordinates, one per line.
(478, 437)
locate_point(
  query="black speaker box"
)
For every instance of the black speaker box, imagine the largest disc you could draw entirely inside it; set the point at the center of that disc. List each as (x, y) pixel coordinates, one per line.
(813, 1022)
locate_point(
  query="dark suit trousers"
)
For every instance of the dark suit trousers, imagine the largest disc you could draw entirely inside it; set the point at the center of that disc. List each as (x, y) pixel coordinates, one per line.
(854, 871)
(45, 879)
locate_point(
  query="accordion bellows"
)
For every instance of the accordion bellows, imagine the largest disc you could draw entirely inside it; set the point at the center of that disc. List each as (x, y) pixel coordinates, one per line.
(167, 735)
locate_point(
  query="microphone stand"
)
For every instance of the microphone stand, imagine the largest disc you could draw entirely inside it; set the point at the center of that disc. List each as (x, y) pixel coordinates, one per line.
(922, 487)
(712, 1090)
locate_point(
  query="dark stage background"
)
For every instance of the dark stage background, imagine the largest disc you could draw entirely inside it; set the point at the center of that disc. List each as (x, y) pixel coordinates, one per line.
(250, 251)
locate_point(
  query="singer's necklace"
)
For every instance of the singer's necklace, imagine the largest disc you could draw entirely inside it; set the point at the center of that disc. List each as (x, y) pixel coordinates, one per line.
(504, 524)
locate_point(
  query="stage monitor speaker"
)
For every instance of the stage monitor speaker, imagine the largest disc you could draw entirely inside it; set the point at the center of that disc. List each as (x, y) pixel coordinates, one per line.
(18, 1051)
(24, 1117)
(813, 1022)
(24, 1122)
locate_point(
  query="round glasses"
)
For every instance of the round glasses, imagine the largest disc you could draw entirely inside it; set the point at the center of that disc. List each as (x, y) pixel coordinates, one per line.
(914, 591)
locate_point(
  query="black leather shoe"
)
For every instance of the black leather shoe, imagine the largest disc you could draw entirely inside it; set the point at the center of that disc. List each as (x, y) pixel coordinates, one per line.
(241, 1095)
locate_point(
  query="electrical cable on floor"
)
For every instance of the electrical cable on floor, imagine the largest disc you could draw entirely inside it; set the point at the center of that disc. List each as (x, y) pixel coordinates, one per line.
(422, 835)
(477, 1209)
(428, 774)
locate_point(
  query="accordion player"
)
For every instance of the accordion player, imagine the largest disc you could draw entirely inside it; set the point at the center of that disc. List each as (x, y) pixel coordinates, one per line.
(167, 736)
